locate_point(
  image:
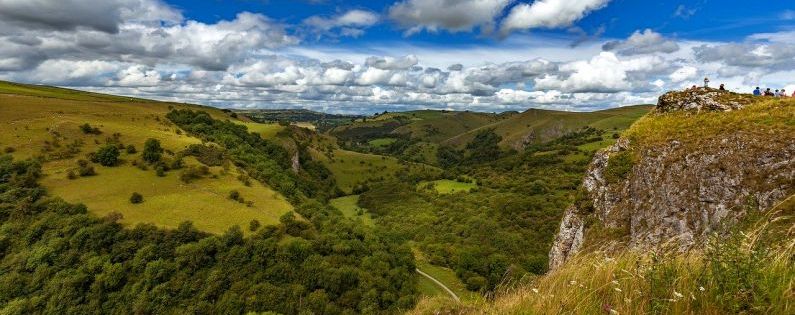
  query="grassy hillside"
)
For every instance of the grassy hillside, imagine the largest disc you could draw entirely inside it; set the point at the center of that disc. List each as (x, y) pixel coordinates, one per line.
(537, 125)
(45, 122)
(425, 125)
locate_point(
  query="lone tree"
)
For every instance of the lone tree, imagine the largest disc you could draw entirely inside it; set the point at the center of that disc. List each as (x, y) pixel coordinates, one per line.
(108, 155)
(136, 198)
(152, 151)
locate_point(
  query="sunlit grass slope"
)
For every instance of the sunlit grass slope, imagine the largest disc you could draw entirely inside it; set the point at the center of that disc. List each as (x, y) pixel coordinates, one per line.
(43, 121)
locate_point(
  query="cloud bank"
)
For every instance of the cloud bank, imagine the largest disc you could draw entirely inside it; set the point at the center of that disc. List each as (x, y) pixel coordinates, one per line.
(146, 48)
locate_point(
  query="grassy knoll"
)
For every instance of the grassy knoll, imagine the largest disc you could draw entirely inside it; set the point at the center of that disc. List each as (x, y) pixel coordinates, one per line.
(382, 142)
(353, 168)
(446, 186)
(45, 122)
(267, 131)
(348, 206)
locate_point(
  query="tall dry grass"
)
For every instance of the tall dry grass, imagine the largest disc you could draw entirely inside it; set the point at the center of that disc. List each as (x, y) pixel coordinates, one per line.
(748, 271)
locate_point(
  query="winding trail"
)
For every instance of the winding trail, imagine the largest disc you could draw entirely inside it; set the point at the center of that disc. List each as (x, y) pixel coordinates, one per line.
(439, 283)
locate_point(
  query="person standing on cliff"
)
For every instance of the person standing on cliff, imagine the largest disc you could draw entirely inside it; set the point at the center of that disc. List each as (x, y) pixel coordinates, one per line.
(706, 83)
(758, 91)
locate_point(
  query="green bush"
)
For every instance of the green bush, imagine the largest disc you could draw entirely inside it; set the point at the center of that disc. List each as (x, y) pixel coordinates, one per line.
(136, 198)
(254, 225)
(108, 155)
(160, 171)
(153, 152)
(84, 168)
(87, 129)
(131, 149)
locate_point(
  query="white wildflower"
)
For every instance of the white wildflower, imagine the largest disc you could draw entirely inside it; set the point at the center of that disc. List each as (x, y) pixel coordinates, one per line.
(613, 312)
(614, 282)
(701, 289)
(678, 295)
(627, 300)
(692, 297)
(617, 289)
(572, 282)
(534, 290)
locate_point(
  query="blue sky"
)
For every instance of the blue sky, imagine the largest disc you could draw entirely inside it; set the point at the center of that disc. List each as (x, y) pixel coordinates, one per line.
(369, 56)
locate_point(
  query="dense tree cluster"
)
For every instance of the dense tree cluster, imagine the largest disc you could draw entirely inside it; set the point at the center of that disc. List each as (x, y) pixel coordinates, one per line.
(58, 259)
(262, 159)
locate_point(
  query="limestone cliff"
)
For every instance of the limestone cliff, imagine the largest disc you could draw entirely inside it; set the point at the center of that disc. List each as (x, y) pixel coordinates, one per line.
(698, 163)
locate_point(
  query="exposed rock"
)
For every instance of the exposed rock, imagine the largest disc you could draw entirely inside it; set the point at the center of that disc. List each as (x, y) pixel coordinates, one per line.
(677, 193)
(296, 163)
(702, 99)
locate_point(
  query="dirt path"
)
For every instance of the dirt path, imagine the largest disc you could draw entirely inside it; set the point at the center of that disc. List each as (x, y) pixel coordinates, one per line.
(439, 283)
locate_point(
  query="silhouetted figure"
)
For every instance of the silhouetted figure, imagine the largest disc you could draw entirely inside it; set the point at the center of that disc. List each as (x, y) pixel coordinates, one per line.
(758, 91)
(722, 88)
(768, 92)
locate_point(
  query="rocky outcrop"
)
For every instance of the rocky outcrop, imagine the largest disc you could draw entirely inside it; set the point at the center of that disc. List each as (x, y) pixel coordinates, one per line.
(677, 192)
(295, 163)
(702, 99)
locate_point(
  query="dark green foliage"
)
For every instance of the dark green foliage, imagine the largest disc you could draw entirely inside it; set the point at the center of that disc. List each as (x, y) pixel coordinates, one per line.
(136, 198)
(71, 175)
(619, 166)
(262, 159)
(9, 149)
(206, 154)
(193, 172)
(59, 259)
(235, 195)
(449, 156)
(160, 171)
(254, 225)
(484, 147)
(152, 151)
(87, 129)
(131, 149)
(107, 155)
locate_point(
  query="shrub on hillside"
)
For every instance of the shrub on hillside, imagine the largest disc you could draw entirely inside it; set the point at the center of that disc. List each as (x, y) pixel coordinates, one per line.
(9, 150)
(136, 198)
(88, 129)
(254, 225)
(153, 152)
(209, 155)
(131, 149)
(193, 172)
(108, 155)
(84, 168)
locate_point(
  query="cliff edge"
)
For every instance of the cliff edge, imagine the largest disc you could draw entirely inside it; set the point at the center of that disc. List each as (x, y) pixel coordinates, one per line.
(698, 163)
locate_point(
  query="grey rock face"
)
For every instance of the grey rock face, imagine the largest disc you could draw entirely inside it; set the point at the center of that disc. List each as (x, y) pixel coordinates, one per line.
(677, 194)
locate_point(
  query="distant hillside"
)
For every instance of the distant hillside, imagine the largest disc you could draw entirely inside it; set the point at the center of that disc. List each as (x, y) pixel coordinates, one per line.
(322, 121)
(538, 125)
(424, 125)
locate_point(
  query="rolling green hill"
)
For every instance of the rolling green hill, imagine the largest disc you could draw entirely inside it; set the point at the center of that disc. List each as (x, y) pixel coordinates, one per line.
(45, 122)
(538, 125)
